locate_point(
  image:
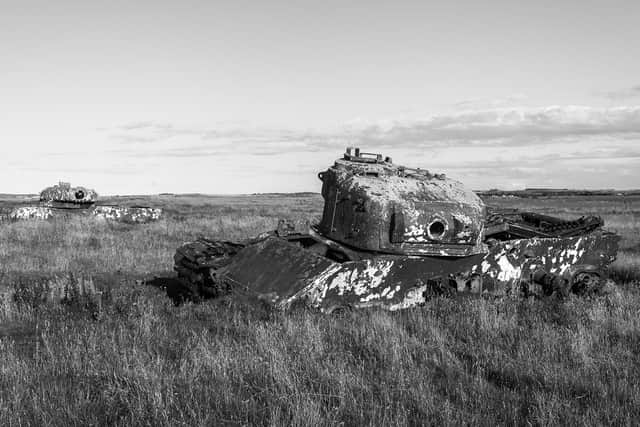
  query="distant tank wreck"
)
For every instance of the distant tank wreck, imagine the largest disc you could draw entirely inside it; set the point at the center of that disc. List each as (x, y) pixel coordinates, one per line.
(64, 196)
(393, 237)
(64, 200)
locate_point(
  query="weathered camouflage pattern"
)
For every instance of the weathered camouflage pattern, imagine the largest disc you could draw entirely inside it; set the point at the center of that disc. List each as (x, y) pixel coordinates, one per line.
(31, 212)
(133, 215)
(64, 195)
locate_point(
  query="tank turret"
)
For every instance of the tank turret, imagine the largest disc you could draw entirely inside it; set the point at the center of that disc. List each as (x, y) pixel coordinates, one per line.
(64, 195)
(371, 204)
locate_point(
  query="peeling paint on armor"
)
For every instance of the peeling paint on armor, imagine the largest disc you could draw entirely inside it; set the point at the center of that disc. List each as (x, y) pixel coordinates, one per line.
(137, 215)
(413, 297)
(31, 212)
(507, 271)
(380, 206)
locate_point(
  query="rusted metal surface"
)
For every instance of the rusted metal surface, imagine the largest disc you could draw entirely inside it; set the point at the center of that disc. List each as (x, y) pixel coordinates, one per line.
(373, 204)
(516, 262)
(198, 263)
(281, 272)
(377, 246)
(506, 224)
(275, 270)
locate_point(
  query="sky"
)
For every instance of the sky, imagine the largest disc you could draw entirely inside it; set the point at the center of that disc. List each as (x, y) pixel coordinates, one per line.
(143, 97)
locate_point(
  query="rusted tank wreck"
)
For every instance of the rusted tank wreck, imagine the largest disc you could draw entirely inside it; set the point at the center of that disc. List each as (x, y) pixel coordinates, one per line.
(393, 236)
(63, 200)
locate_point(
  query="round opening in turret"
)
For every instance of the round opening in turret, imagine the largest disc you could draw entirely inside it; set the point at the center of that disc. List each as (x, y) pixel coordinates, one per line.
(436, 230)
(79, 195)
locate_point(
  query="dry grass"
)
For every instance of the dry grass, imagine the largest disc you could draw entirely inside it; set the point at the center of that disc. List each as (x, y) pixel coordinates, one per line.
(144, 361)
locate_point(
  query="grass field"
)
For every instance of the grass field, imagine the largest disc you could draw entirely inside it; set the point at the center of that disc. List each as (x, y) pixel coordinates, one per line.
(135, 358)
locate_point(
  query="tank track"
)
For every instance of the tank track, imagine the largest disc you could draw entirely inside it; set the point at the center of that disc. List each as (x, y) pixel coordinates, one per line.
(197, 263)
(513, 224)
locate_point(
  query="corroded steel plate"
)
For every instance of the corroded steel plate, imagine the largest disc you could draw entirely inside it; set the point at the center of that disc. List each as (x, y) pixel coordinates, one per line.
(513, 261)
(282, 272)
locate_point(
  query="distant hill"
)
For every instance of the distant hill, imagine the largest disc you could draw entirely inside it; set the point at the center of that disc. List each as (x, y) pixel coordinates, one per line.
(301, 194)
(554, 192)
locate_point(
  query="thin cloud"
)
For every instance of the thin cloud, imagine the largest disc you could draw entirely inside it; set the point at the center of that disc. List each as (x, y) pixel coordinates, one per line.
(513, 127)
(477, 104)
(136, 125)
(133, 139)
(146, 132)
(505, 126)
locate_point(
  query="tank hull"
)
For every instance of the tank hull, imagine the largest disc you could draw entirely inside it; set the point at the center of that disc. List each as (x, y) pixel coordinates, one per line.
(133, 215)
(279, 270)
